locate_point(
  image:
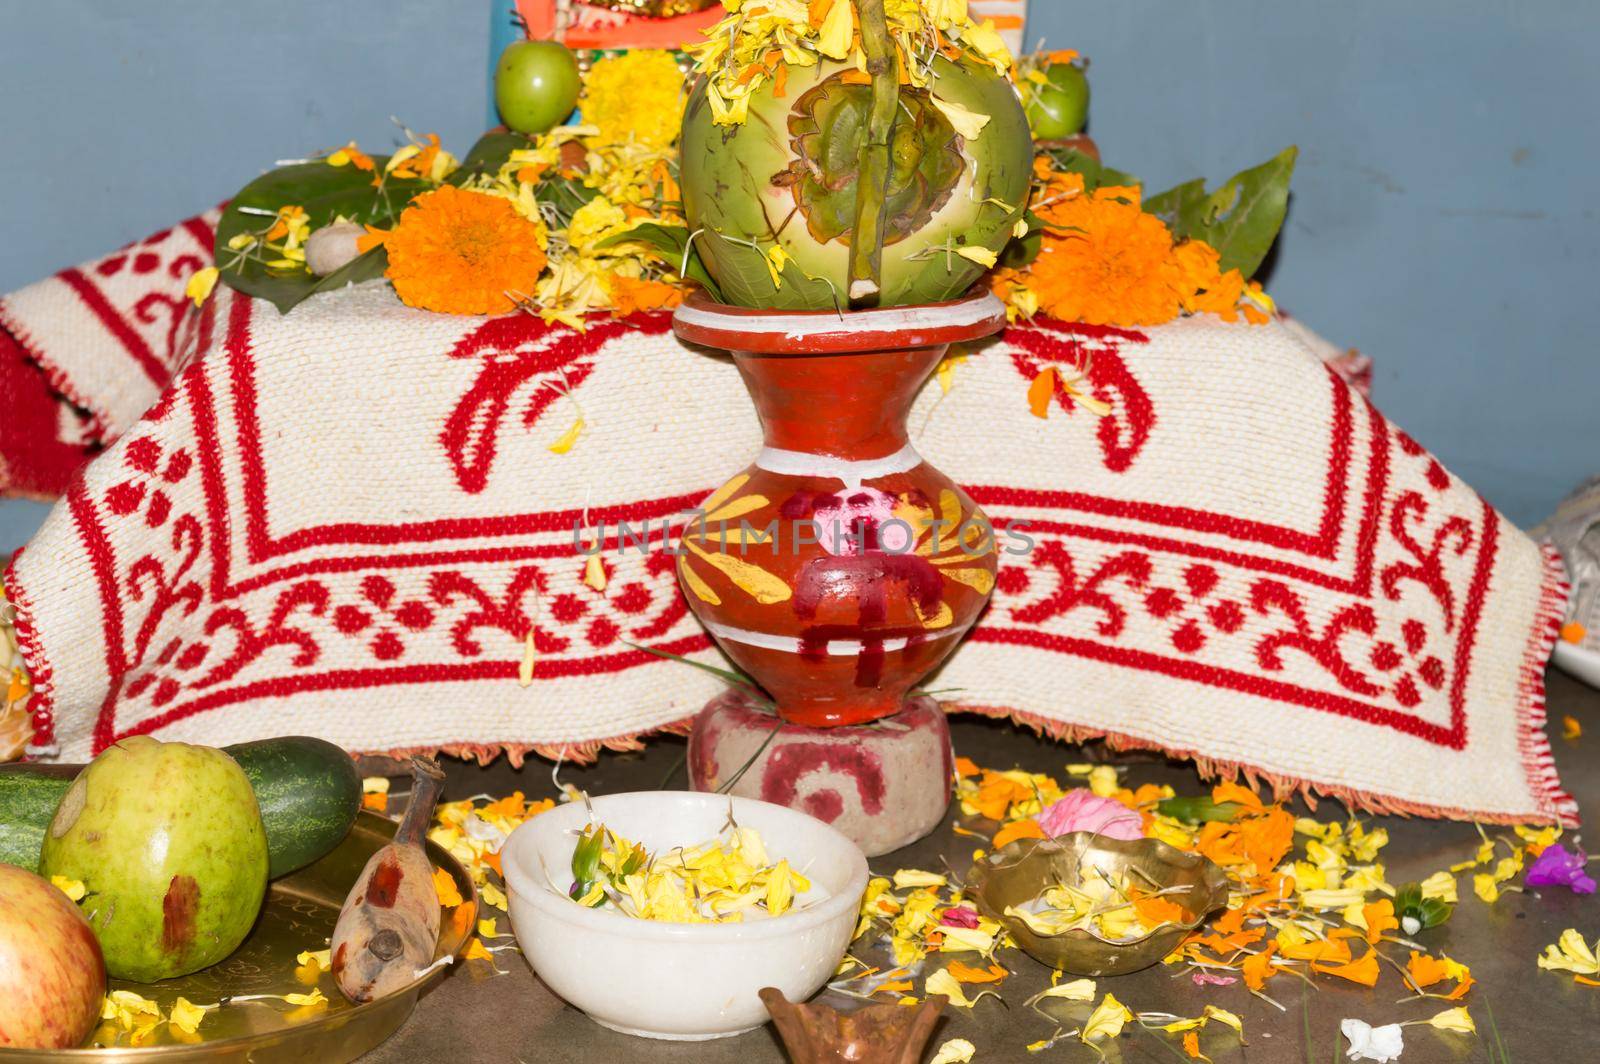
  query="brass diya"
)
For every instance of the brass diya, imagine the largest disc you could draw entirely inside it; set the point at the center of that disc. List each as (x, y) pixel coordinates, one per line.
(874, 1034)
(1023, 870)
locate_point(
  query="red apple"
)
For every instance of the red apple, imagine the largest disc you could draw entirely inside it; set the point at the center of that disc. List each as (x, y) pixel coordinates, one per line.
(52, 978)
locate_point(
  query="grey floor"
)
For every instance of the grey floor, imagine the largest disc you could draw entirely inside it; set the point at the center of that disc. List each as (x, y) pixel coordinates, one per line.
(474, 1015)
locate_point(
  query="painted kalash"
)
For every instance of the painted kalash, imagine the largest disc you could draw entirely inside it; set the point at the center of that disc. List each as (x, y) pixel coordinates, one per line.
(839, 568)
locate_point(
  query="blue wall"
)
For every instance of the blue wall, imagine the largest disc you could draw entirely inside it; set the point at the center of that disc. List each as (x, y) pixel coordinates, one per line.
(1443, 219)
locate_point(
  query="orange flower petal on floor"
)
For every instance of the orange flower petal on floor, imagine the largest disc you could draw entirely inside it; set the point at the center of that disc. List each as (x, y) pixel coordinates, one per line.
(1425, 970)
(1257, 969)
(1017, 829)
(1380, 918)
(1228, 791)
(966, 973)
(1363, 971)
(463, 252)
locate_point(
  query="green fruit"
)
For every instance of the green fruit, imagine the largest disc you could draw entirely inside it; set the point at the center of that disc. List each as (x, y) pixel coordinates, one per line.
(536, 85)
(786, 176)
(1059, 107)
(308, 791)
(168, 841)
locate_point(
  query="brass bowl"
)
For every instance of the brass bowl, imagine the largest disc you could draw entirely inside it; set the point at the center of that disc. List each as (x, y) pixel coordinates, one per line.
(298, 914)
(1022, 870)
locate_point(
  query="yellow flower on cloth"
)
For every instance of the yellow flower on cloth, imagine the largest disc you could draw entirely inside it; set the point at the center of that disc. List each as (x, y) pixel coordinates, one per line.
(462, 252)
(636, 96)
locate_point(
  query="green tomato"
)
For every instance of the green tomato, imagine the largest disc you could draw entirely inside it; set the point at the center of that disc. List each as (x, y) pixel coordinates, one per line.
(1059, 108)
(536, 85)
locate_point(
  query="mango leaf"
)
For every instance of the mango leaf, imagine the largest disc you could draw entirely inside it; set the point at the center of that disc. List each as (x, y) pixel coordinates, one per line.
(1072, 161)
(1241, 219)
(325, 192)
(488, 156)
(671, 242)
(1020, 251)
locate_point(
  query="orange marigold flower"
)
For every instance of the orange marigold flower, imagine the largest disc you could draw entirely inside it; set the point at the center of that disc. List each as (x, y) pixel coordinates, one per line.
(1102, 260)
(463, 252)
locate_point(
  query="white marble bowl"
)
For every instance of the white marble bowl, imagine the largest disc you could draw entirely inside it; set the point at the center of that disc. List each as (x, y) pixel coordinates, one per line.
(680, 981)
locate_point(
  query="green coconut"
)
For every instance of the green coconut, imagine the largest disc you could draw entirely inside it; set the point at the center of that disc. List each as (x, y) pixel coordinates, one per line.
(787, 177)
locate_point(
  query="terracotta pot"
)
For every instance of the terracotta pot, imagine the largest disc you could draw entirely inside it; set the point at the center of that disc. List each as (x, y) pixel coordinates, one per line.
(839, 568)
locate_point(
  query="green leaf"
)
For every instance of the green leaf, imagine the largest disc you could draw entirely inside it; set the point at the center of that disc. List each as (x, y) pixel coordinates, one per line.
(1241, 219)
(488, 156)
(672, 243)
(326, 192)
(1020, 251)
(1072, 161)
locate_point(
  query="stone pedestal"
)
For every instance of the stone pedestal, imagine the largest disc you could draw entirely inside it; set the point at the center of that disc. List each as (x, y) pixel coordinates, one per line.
(884, 784)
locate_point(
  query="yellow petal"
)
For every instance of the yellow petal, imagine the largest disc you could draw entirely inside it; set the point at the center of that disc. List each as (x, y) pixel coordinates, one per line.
(837, 32)
(1076, 990)
(982, 256)
(186, 1016)
(1106, 1020)
(568, 438)
(313, 998)
(530, 654)
(72, 888)
(1440, 885)
(1456, 1019)
(319, 956)
(201, 282)
(967, 123)
(594, 572)
(915, 877)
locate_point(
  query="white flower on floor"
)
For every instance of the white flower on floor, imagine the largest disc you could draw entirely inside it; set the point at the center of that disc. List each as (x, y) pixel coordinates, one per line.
(1372, 1043)
(955, 1051)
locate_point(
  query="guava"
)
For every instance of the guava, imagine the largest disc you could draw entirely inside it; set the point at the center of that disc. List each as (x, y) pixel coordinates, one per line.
(536, 85)
(168, 841)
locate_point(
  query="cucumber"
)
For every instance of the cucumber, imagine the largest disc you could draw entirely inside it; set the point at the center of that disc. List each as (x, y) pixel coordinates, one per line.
(29, 795)
(308, 791)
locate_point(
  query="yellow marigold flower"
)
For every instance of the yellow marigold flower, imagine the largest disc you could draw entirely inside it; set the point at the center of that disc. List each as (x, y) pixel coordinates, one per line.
(463, 252)
(637, 96)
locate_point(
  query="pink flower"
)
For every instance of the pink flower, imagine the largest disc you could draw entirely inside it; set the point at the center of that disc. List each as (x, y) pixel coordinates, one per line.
(959, 917)
(1083, 810)
(1206, 978)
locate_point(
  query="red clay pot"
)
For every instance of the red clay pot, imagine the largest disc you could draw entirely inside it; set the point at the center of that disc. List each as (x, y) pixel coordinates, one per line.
(819, 568)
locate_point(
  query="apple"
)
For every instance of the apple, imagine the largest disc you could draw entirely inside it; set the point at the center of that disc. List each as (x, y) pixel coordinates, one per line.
(536, 85)
(168, 840)
(1060, 106)
(52, 977)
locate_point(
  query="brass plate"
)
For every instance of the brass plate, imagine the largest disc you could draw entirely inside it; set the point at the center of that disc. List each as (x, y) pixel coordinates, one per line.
(298, 914)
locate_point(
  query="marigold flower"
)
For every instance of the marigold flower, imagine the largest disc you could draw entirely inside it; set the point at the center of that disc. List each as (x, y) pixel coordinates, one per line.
(463, 252)
(636, 96)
